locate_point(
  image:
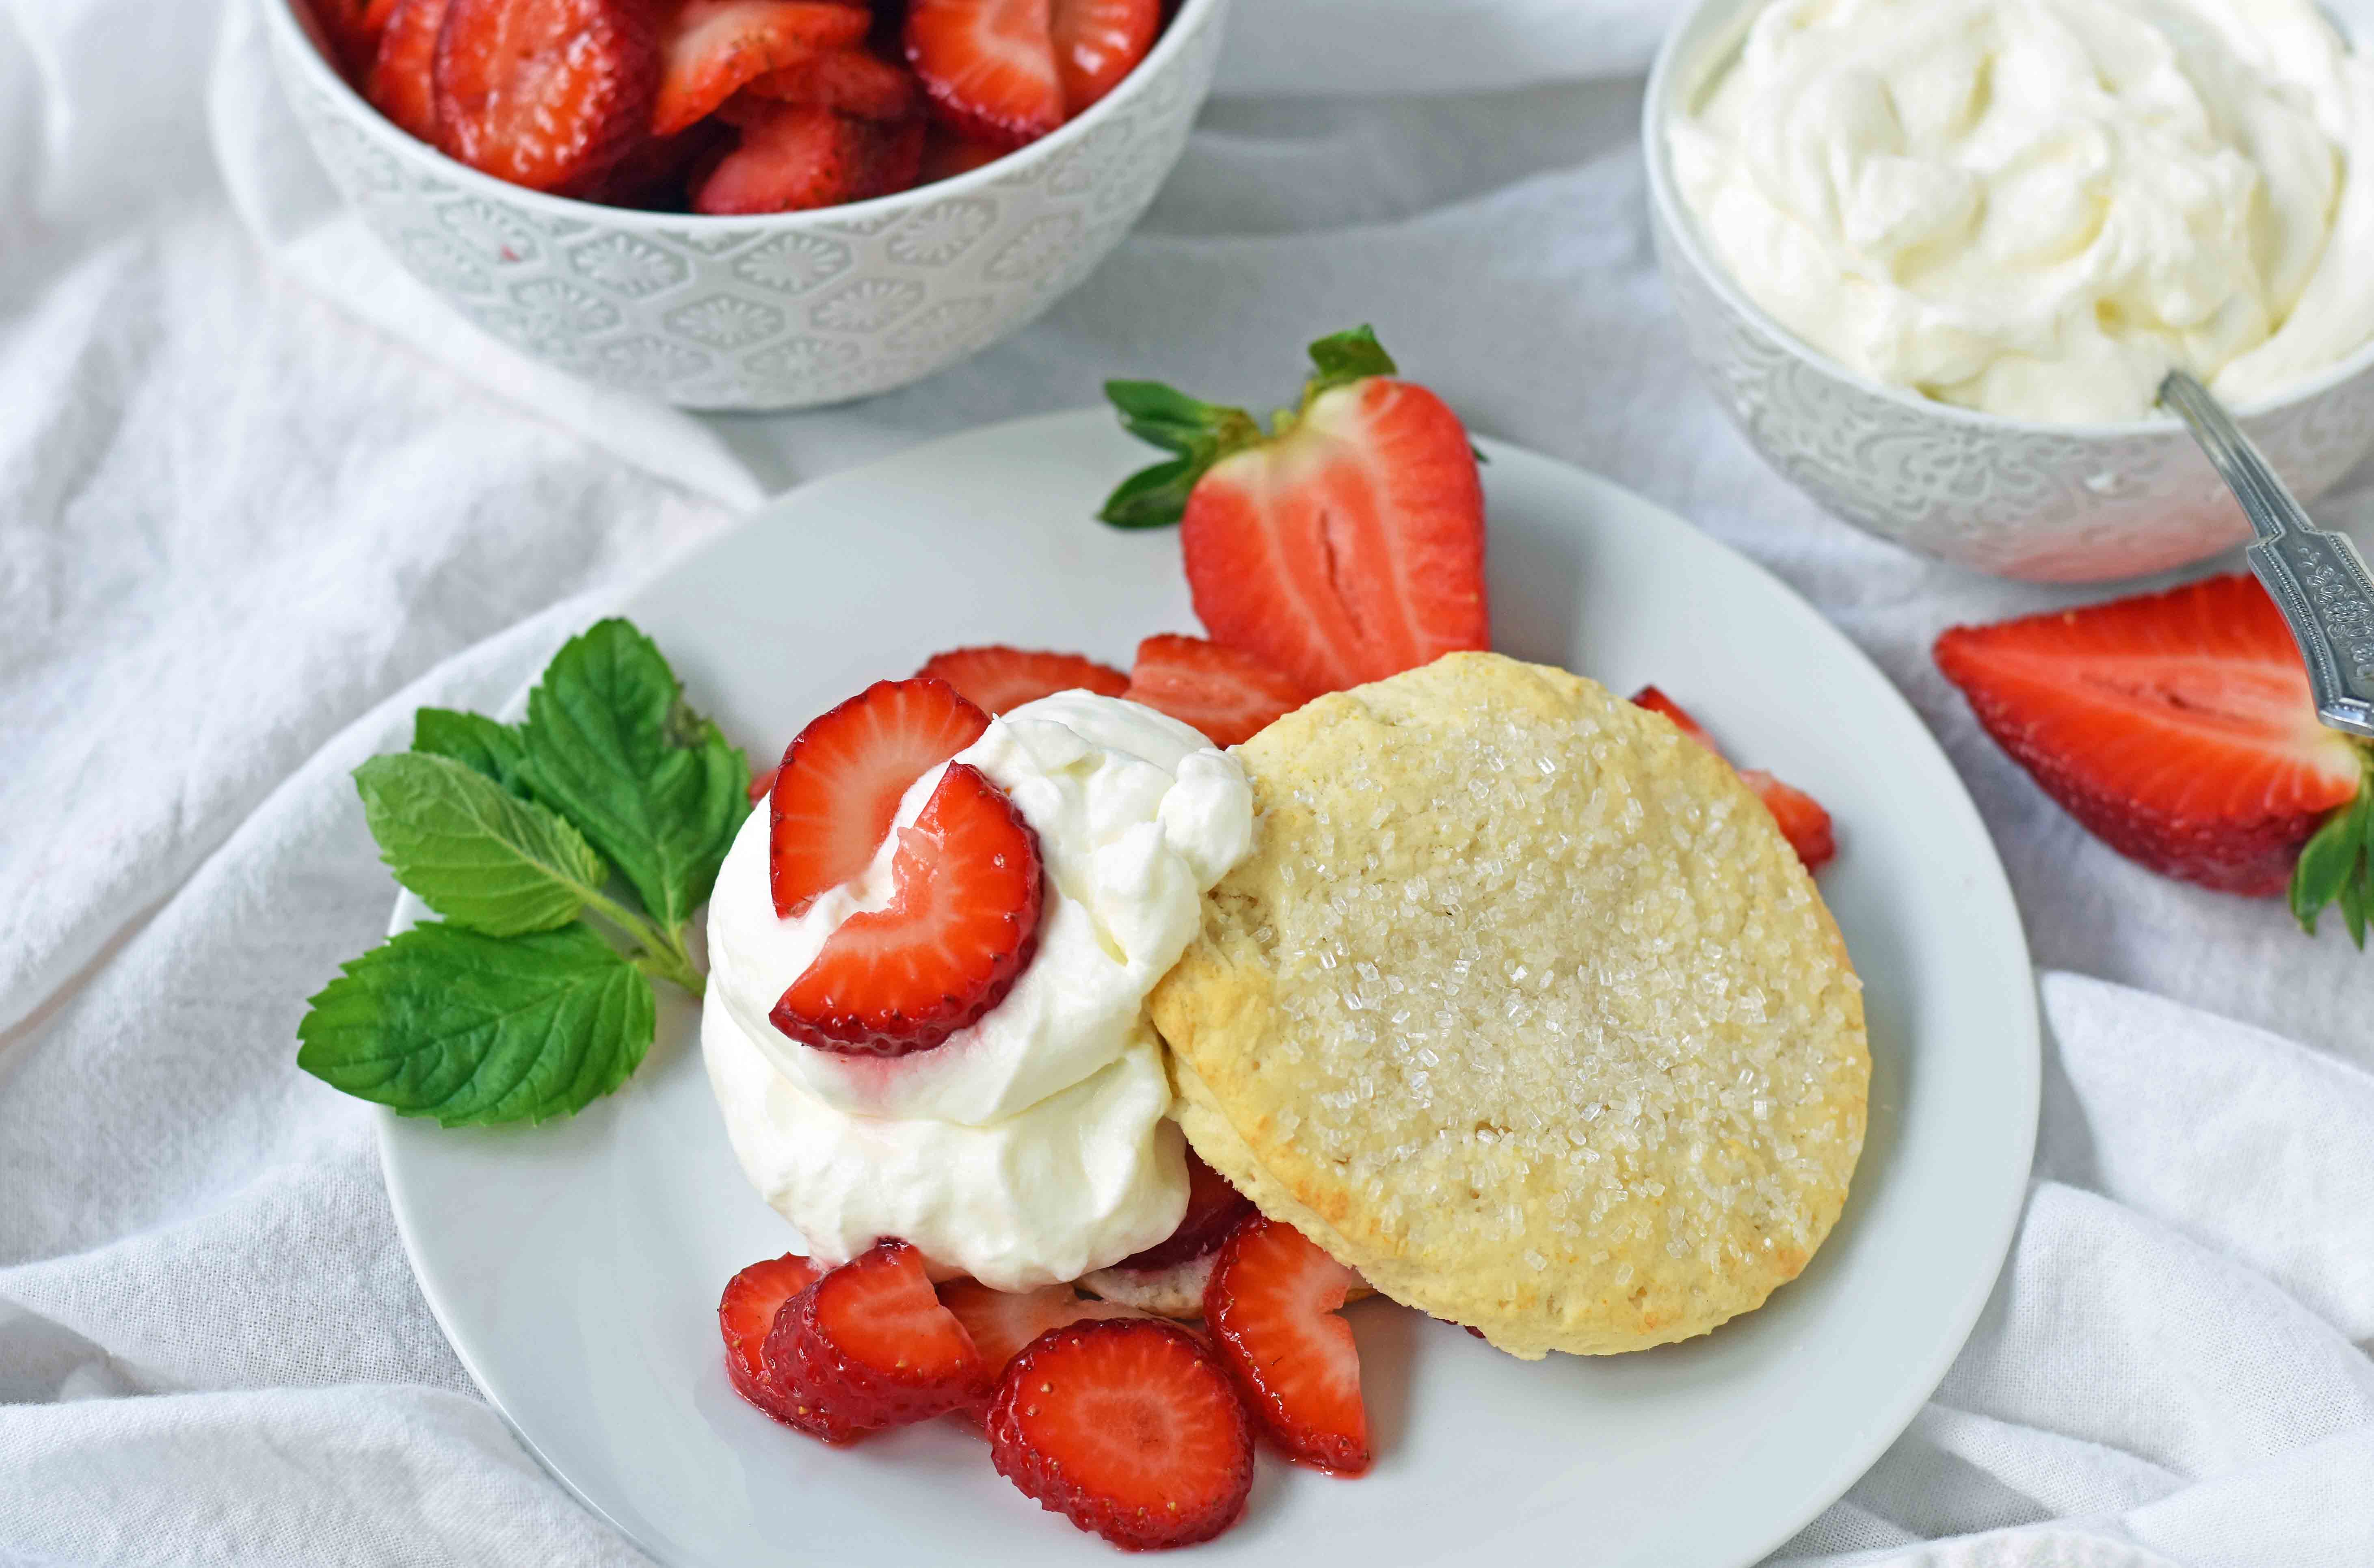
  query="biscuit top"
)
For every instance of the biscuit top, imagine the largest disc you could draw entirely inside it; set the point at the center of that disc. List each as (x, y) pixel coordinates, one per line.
(1522, 992)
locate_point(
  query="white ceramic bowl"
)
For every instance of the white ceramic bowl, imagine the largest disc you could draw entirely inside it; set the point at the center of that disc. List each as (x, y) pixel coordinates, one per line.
(2055, 503)
(786, 310)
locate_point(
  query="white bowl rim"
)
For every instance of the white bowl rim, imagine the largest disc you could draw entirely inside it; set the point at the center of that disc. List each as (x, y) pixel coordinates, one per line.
(297, 35)
(1681, 225)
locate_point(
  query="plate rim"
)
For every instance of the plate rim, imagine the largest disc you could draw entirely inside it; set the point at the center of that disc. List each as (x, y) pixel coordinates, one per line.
(2024, 1008)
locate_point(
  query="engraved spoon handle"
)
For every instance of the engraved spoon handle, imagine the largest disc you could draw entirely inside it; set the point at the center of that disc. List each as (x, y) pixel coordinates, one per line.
(2317, 579)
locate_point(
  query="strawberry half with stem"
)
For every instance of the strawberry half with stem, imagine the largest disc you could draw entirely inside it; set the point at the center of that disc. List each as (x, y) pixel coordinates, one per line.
(1800, 818)
(1100, 41)
(746, 1315)
(2179, 728)
(838, 790)
(960, 928)
(869, 1346)
(1129, 1429)
(1273, 1305)
(999, 679)
(1343, 546)
(546, 94)
(989, 66)
(1230, 696)
(715, 47)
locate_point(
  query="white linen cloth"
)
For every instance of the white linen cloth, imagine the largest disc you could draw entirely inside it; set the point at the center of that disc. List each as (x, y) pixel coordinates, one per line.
(259, 498)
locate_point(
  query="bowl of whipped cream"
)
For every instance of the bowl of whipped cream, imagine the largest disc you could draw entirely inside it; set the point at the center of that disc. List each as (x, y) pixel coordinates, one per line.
(1935, 257)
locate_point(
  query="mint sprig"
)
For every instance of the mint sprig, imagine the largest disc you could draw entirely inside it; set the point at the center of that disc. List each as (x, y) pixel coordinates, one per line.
(2338, 866)
(533, 995)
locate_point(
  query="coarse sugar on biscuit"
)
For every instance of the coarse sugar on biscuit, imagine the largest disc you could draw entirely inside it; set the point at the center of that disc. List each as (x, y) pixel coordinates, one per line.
(1522, 1007)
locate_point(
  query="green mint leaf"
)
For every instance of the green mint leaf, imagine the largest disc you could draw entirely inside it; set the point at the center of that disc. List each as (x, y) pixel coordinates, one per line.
(474, 740)
(478, 856)
(472, 1029)
(1347, 357)
(612, 746)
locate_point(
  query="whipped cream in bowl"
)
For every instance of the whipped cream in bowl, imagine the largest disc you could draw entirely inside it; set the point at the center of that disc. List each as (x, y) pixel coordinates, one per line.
(1031, 1146)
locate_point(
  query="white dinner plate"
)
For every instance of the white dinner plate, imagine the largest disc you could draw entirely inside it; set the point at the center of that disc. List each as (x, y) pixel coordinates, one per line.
(576, 1266)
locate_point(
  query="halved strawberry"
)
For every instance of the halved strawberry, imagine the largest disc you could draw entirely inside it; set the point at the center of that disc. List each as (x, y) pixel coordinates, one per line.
(1800, 818)
(2177, 727)
(1214, 1210)
(959, 930)
(745, 1313)
(1345, 545)
(1273, 1305)
(869, 1346)
(997, 679)
(713, 47)
(838, 790)
(1230, 696)
(796, 157)
(1002, 1322)
(1129, 1429)
(948, 154)
(403, 81)
(1100, 41)
(989, 66)
(548, 94)
(850, 80)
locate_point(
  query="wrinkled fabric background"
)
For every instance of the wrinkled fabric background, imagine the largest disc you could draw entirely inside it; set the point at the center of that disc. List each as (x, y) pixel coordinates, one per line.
(259, 500)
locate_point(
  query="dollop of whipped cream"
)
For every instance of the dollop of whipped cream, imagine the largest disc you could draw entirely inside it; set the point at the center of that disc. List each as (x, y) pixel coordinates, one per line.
(2038, 208)
(1030, 1147)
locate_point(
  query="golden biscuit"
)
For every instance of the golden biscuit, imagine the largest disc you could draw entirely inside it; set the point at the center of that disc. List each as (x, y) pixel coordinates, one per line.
(1522, 1007)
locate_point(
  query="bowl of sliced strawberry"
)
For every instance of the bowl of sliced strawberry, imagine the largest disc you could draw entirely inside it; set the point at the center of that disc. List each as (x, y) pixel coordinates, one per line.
(748, 204)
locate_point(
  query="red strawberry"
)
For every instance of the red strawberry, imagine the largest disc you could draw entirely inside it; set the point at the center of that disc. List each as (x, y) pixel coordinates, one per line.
(761, 785)
(1345, 545)
(2176, 726)
(713, 47)
(1002, 1322)
(946, 155)
(1231, 697)
(1214, 1210)
(548, 94)
(744, 1314)
(839, 787)
(869, 1346)
(999, 679)
(795, 156)
(989, 66)
(1100, 41)
(961, 927)
(403, 81)
(353, 29)
(1129, 1429)
(1272, 1305)
(1800, 817)
(848, 81)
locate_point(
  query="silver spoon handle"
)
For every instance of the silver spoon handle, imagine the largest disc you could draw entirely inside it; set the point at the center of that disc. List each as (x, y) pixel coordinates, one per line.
(2317, 579)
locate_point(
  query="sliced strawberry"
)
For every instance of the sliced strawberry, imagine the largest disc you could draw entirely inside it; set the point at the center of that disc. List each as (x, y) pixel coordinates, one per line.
(658, 173)
(1231, 697)
(946, 155)
(548, 94)
(848, 81)
(353, 29)
(838, 790)
(745, 1313)
(1128, 1429)
(2176, 726)
(1273, 1305)
(1100, 41)
(713, 47)
(999, 679)
(869, 1346)
(1214, 1210)
(1345, 545)
(960, 928)
(794, 158)
(989, 66)
(403, 81)
(1002, 1322)
(1800, 818)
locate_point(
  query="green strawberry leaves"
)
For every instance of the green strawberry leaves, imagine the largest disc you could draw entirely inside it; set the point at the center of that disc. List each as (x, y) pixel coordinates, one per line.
(1202, 434)
(472, 1029)
(2337, 867)
(522, 1004)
